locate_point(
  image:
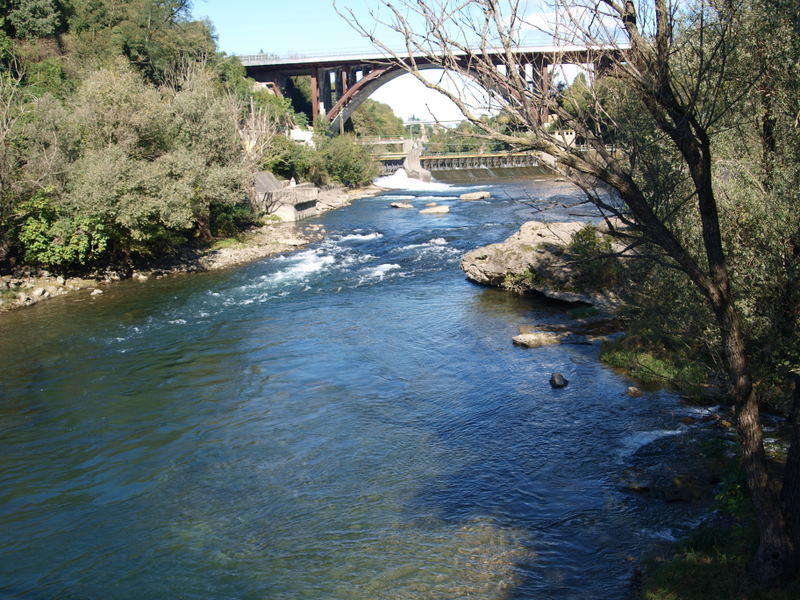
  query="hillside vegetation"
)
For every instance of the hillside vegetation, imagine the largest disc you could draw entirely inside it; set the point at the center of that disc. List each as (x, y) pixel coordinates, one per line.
(125, 134)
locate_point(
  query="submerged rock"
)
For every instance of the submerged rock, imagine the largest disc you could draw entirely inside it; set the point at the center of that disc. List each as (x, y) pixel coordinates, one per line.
(633, 391)
(557, 380)
(401, 205)
(674, 468)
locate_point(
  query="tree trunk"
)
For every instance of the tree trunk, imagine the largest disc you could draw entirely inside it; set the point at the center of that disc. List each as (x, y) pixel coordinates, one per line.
(790, 492)
(775, 561)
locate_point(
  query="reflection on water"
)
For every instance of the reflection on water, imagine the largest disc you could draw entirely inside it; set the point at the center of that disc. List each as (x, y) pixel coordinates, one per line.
(349, 421)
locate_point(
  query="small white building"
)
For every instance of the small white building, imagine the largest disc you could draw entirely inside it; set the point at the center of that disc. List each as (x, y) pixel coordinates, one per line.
(304, 136)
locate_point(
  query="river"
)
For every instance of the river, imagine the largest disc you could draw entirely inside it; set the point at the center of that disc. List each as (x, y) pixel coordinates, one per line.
(350, 421)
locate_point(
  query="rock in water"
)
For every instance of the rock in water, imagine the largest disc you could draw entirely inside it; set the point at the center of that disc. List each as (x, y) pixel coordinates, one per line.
(401, 205)
(536, 339)
(475, 195)
(634, 392)
(435, 210)
(557, 380)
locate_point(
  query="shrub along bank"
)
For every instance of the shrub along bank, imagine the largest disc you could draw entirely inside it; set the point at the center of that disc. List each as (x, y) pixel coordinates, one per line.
(125, 135)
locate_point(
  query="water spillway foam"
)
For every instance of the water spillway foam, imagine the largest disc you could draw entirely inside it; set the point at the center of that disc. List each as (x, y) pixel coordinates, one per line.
(401, 181)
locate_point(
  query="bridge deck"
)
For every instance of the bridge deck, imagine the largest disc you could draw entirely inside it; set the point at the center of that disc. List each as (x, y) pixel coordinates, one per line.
(266, 60)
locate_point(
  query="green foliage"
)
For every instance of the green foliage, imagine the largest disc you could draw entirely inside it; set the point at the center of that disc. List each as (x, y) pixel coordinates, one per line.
(33, 19)
(229, 219)
(157, 35)
(590, 255)
(56, 240)
(711, 565)
(298, 90)
(376, 119)
(287, 158)
(657, 359)
(230, 73)
(347, 161)
(47, 76)
(142, 134)
(463, 138)
(519, 282)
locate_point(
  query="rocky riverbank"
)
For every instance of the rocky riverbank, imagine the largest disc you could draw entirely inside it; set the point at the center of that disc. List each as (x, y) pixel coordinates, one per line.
(27, 286)
(539, 259)
(690, 464)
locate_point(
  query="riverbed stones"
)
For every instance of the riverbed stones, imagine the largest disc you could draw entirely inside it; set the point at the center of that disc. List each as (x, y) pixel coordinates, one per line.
(294, 241)
(633, 391)
(96, 292)
(401, 205)
(482, 195)
(557, 380)
(536, 339)
(39, 292)
(435, 210)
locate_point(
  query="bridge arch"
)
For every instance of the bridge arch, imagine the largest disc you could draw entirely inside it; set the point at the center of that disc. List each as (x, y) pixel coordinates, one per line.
(355, 96)
(335, 79)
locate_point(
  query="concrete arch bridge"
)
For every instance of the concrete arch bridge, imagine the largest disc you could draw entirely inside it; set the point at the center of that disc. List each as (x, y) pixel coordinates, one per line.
(341, 83)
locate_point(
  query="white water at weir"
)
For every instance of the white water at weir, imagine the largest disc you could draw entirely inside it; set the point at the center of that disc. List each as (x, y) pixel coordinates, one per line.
(399, 180)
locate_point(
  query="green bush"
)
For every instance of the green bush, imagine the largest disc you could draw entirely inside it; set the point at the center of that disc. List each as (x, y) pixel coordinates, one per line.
(59, 241)
(287, 158)
(47, 76)
(228, 219)
(347, 161)
(656, 359)
(594, 269)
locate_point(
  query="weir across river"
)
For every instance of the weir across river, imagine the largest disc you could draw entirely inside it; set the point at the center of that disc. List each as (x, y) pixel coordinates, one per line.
(463, 161)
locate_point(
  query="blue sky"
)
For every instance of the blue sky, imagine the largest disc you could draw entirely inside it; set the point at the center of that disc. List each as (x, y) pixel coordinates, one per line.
(311, 27)
(281, 26)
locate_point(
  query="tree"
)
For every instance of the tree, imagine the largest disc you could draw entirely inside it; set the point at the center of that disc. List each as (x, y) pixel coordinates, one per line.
(33, 19)
(677, 78)
(374, 118)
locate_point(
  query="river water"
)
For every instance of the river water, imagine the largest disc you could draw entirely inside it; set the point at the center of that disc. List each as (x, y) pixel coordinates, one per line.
(350, 421)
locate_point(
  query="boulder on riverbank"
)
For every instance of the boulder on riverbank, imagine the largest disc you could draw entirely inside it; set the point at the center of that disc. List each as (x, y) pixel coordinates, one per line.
(537, 259)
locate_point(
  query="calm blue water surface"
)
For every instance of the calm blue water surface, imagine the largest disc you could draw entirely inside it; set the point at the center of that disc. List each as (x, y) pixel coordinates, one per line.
(350, 421)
